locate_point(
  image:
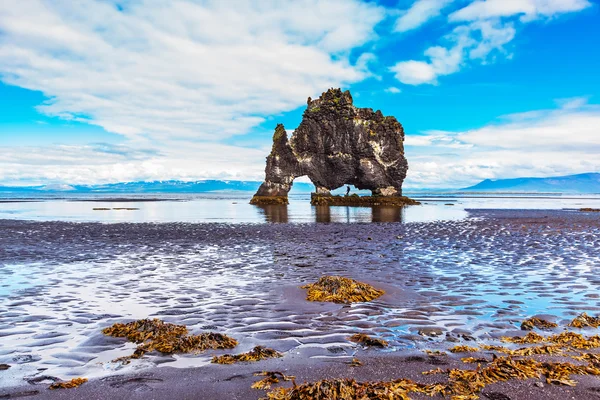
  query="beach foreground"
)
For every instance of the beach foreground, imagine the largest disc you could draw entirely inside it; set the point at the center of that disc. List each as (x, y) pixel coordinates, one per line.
(447, 283)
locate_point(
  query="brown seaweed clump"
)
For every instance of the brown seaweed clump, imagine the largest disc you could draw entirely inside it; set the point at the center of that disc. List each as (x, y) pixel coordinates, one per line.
(584, 320)
(154, 334)
(338, 289)
(367, 340)
(539, 323)
(463, 349)
(73, 383)
(256, 354)
(270, 378)
(355, 363)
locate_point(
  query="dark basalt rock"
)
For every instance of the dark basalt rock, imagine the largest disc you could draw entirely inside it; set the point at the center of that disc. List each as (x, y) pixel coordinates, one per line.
(336, 144)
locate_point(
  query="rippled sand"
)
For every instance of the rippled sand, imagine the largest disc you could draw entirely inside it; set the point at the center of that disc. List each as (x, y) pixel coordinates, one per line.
(61, 283)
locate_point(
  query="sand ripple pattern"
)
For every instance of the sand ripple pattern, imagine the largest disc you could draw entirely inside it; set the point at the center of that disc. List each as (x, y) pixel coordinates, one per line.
(61, 283)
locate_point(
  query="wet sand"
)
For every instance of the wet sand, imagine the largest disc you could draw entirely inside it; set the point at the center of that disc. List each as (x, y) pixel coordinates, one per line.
(451, 282)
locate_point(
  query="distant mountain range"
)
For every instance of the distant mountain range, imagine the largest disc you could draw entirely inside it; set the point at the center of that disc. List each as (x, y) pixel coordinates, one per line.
(172, 186)
(581, 183)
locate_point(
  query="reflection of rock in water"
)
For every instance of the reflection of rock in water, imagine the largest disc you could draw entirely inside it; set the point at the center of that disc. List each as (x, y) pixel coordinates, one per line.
(387, 214)
(275, 212)
(323, 213)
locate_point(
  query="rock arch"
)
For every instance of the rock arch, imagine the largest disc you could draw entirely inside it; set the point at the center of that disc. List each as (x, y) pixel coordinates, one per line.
(336, 144)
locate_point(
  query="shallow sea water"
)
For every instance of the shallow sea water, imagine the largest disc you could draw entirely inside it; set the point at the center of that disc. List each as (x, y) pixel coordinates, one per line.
(477, 273)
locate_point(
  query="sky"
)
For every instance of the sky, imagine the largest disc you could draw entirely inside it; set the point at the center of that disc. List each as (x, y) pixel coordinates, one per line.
(100, 91)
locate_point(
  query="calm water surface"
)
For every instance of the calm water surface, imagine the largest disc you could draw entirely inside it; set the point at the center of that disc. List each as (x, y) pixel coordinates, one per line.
(234, 208)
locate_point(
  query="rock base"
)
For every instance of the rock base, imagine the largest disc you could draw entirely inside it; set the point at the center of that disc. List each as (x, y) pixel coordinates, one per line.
(358, 201)
(269, 200)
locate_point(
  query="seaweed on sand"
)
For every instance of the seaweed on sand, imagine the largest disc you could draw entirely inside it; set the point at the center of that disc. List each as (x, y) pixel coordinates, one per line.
(565, 340)
(73, 383)
(462, 384)
(367, 340)
(355, 363)
(535, 322)
(530, 338)
(270, 378)
(475, 360)
(154, 334)
(463, 349)
(584, 320)
(256, 354)
(338, 289)
(346, 389)
(466, 384)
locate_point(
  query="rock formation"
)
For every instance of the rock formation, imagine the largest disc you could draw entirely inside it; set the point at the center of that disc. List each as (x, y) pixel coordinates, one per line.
(336, 144)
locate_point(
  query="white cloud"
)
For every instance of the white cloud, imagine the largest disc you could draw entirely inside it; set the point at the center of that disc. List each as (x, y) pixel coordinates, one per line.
(419, 13)
(487, 26)
(393, 90)
(89, 164)
(537, 143)
(475, 41)
(175, 77)
(414, 72)
(528, 10)
(181, 69)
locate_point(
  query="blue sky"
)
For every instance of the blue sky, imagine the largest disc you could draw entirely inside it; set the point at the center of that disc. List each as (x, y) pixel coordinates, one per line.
(107, 91)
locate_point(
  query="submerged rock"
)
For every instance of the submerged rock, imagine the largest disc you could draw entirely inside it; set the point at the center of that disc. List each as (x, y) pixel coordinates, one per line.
(336, 144)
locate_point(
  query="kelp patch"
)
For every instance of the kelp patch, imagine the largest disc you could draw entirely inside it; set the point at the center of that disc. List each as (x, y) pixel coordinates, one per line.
(535, 322)
(338, 289)
(256, 354)
(367, 340)
(270, 378)
(463, 349)
(154, 334)
(73, 383)
(584, 321)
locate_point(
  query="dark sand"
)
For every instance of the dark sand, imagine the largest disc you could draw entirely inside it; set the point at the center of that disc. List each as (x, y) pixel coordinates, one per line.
(481, 277)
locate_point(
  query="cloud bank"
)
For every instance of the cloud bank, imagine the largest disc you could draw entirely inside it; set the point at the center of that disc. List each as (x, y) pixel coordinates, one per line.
(553, 142)
(177, 79)
(184, 68)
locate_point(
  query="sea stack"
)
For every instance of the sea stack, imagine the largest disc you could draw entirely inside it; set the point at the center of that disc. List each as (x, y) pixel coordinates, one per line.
(338, 144)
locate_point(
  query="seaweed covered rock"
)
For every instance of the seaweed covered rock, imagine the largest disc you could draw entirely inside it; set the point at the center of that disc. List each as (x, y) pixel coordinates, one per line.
(256, 354)
(154, 334)
(73, 383)
(364, 201)
(535, 322)
(584, 320)
(336, 144)
(367, 340)
(338, 289)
